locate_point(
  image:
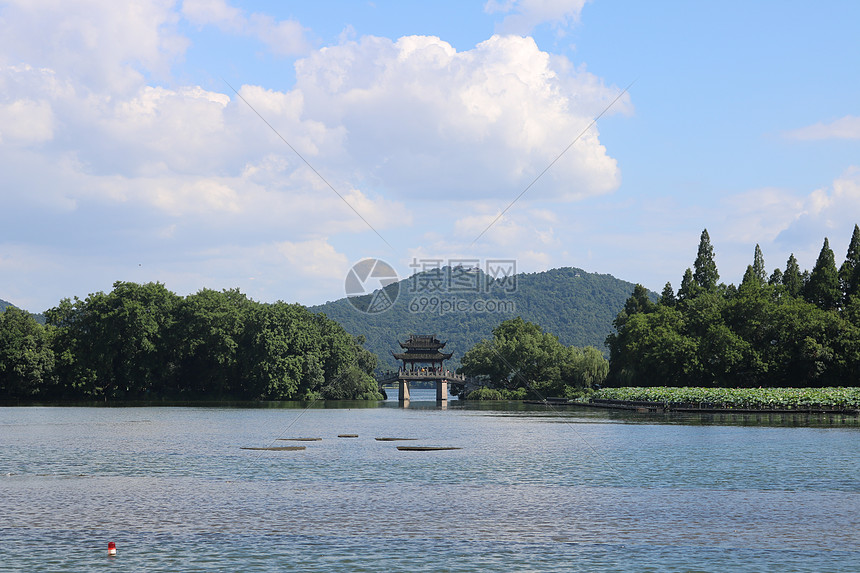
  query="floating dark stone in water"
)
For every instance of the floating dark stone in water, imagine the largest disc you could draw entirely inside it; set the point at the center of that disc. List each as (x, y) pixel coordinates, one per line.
(395, 439)
(299, 439)
(425, 448)
(278, 448)
(347, 435)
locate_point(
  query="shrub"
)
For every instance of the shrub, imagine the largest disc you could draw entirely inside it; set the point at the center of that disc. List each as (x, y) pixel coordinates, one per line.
(484, 394)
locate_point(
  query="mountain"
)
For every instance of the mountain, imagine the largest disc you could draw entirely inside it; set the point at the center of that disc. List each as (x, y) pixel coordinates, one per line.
(462, 306)
(4, 304)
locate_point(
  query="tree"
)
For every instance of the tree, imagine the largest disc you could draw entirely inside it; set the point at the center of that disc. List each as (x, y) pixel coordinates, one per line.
(208, 342)
(791, 278)
(775, 278)
(667, 298)
(823, 286)
(521, 355)
(751, 278)
(689, 289)
(116, 345)
(849, 272)
(26, 357)
(758, 265)
(639, 301)
(705, 272)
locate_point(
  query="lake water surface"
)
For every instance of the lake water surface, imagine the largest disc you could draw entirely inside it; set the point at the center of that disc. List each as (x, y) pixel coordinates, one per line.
(529, 490)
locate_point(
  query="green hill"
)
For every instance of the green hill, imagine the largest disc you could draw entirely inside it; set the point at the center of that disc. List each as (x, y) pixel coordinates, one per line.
(575, 305)
(40, 317)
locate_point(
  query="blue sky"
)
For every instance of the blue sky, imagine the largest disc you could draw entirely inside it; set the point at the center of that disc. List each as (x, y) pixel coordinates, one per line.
(126, 156)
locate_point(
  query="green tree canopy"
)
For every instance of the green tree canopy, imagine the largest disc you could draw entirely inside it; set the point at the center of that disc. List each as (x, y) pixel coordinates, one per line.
(521, 356)
(144, 342)
(26, 357)
(759, 334)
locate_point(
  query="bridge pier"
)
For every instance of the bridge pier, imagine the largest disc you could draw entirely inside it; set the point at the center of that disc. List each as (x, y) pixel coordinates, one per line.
(404, 391)
(441, 390)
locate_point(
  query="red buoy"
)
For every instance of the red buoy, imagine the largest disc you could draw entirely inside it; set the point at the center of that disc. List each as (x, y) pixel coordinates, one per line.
(111, 548)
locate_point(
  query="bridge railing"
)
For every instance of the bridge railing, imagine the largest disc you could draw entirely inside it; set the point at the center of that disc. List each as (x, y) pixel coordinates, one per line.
(422, 374)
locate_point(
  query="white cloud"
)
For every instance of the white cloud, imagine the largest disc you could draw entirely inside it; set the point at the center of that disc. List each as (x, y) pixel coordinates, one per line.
(282, 37)
(103, 44)
(314, 259)
(215, 13)
(26, 122)
(784, 222)
(760, 215)
(830, 209)
(424, 120)
(525, 15)
(847, 127)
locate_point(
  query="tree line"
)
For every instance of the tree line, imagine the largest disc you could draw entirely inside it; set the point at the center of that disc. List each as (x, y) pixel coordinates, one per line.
(787, 328)
(144, 342)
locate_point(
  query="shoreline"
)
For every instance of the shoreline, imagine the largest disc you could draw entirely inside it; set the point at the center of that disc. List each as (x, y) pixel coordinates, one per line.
(660, 407)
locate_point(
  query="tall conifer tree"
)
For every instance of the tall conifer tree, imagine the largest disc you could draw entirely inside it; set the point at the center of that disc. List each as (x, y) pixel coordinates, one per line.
(705, 272)
(823, 286)
(758, 266)
(667, 298)
(792, 278)
(849, 272)
(775, 278)
(750, 278)
(688, 286)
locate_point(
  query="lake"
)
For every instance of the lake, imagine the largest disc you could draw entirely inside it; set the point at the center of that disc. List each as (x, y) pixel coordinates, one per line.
(530, 489)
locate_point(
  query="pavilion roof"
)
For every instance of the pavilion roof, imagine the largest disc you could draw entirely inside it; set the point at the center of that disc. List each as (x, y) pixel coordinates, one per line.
(422, 356)
(423, 342)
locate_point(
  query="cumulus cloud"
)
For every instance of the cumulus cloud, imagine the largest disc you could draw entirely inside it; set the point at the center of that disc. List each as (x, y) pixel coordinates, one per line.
(314, 259)
(847, 127)
(523, 16)
(282, 37)
(786, 221)
(97, 142)
(830, 209)
(424, 120)
(104, 44)
(760, 215)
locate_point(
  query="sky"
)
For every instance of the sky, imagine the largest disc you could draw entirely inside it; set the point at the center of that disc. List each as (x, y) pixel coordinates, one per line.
(270, 146)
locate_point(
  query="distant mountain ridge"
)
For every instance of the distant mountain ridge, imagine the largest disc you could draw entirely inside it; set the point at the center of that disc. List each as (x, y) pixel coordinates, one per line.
(40, 317)
(575, 305)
